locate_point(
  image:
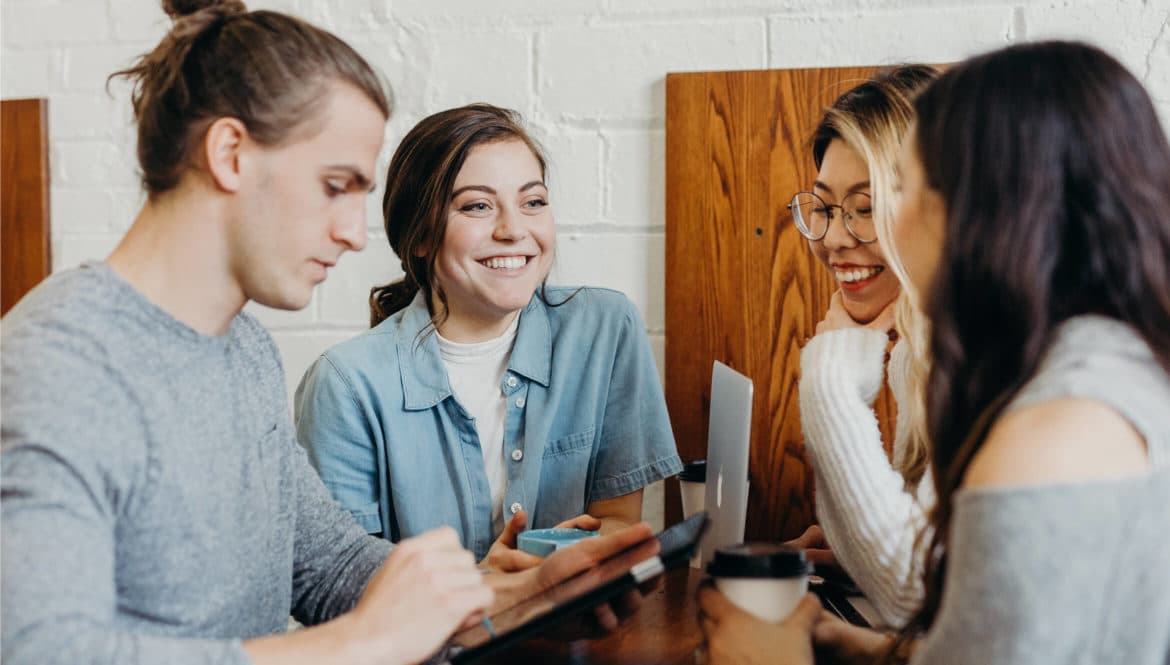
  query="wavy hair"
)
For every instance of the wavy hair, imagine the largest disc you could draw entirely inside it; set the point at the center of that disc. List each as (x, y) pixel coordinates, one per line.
(419, 183)
(872, 119)
(1055, 173)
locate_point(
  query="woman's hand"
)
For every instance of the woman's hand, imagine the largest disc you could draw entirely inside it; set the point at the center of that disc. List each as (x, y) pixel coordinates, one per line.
(583, 556)
(837, 318)
(505, 558)
(735, 637)
(841, 643)
(426, 589)
(816, 548)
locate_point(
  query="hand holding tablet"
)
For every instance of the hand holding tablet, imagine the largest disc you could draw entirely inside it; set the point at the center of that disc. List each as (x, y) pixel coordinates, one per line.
(574, 582)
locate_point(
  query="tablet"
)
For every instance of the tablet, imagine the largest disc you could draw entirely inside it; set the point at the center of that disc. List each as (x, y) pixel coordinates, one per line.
(616, 575)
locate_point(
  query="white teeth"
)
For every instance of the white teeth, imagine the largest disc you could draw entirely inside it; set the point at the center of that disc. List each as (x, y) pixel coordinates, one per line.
(856, 274)
(505, 262)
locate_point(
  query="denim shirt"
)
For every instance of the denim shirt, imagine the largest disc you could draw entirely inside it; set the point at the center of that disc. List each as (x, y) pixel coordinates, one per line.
(586, 420)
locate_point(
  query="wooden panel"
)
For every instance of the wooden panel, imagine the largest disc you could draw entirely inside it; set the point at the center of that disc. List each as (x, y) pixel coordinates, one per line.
(24, 198)
(742, 286)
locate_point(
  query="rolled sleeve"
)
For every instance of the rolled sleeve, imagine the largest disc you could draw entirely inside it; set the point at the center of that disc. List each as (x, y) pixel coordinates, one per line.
(637, 445)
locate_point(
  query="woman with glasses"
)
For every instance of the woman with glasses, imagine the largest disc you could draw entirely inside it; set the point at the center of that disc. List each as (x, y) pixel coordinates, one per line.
(870, 511)
(1033, 228)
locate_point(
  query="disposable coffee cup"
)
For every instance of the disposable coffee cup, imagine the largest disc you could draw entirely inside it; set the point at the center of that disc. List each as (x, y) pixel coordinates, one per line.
(692, 483)
(765, 579)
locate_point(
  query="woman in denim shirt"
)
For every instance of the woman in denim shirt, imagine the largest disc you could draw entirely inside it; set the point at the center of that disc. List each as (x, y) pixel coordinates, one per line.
(481, 394)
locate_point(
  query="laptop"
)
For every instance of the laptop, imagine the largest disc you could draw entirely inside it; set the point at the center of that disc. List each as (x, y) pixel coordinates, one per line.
(728, 447)
(726, 490)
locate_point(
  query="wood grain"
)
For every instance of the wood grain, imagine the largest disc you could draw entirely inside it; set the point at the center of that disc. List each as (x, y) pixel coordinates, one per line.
(24, 198)
(742, 286)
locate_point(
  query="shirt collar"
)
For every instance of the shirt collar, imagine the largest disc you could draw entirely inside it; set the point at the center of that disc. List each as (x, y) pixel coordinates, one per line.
(424, 378)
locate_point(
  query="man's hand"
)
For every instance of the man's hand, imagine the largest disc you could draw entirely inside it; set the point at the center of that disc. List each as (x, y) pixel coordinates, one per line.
(505, 558)
(735, 637)
(426, 589)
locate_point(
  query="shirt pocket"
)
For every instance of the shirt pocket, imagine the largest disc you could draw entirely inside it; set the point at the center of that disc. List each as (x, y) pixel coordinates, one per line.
(564, 478)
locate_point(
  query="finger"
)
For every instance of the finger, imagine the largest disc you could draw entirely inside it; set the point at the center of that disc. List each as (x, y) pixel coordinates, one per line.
(821, 557)
(586, 522)
(606, 618)
(885, 320)
(603, 547)
(806, 614)
(513, 528)
(816, 536)
(809, 538)
(836, 302)
(715, 605)
(626, 605)
(512, 561)
(828, 629)
(470, 603)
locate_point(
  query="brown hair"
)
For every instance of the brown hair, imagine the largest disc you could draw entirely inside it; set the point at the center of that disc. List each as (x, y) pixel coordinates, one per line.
(267, 69)
(419, 183)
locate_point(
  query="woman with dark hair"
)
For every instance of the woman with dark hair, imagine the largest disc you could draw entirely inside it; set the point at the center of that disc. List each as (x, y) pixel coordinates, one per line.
(481, 394)
(1035, 187)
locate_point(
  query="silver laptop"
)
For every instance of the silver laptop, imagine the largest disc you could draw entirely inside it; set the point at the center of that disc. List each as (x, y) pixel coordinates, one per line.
(728, 447)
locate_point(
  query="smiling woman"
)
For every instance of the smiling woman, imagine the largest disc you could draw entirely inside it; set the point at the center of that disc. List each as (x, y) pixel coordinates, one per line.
(481, 394)
(870, 509)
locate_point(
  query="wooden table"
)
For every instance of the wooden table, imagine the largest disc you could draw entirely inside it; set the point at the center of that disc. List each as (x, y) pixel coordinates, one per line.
(663, 632)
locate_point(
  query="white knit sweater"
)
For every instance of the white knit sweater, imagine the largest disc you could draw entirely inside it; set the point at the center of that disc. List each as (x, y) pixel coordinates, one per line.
(870, 518)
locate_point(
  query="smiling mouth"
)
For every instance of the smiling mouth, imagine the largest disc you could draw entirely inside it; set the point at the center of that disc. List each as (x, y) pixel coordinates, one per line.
(505, 262)
(857, 275)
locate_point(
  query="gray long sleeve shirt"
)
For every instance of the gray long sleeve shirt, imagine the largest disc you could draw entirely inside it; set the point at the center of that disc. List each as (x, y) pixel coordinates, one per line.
(156, 507)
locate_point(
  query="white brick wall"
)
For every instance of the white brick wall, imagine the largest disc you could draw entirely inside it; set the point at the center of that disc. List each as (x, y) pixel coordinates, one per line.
(587, 74)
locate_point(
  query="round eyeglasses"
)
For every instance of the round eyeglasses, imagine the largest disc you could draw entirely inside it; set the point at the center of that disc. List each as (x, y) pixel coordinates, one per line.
(812, 215)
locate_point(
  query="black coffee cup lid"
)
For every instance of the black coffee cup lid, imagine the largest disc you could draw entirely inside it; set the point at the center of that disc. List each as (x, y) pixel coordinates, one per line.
(766, 560)
(694, 471)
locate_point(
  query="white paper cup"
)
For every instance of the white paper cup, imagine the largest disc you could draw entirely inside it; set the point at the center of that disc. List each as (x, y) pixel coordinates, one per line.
(693, 495)
(693, 487)
(766, 580)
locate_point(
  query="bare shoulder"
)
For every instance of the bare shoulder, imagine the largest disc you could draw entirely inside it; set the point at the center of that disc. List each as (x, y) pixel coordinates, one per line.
(1058, 441)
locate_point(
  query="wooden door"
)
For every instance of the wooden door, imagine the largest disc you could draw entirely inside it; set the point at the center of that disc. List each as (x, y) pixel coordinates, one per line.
(24, 198)
(742, 286)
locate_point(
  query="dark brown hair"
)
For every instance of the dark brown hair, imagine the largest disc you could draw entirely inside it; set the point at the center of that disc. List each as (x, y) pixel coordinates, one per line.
(1055, 172)
(419, 183)
(267, 69)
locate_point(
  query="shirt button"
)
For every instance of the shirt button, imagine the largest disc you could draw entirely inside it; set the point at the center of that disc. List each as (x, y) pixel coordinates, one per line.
(515, 508)
(512, 382)
(520, 402)
(517, 455)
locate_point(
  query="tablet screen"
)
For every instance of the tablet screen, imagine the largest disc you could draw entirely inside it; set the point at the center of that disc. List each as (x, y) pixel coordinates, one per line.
(592, 586)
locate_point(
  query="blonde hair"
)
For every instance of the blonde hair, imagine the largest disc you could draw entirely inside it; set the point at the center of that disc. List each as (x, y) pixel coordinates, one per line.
(872, 119)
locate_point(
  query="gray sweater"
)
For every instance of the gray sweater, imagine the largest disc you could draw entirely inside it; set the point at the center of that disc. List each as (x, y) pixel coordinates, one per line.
(1074, 572)
(156, 507)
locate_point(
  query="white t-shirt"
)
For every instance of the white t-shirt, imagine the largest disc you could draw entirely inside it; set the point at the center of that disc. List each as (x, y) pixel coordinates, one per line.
(476, 372)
